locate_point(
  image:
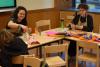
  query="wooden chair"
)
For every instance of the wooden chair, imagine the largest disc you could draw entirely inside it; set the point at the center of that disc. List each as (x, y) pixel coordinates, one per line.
(42, 25)
(27, 60)
(99, 29)
(18, 59)
(87, 55)
(32, 62)
(55, 61)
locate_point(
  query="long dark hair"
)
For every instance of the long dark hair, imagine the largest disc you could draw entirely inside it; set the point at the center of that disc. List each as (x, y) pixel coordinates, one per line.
(5, 37)
(15, 14)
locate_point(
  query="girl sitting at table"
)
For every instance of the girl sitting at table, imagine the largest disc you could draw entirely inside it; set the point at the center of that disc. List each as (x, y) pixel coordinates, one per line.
(10, 46)
(82, 21)
(18, 21)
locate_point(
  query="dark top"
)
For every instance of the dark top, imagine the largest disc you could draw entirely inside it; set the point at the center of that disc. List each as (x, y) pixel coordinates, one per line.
(20, 30)
(14, 48)
(23, 22)
(89, 21)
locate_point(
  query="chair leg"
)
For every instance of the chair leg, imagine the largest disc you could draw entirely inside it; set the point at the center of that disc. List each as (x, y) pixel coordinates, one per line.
(37, 52)
(97, 64)
(76, 62)
(84, 64)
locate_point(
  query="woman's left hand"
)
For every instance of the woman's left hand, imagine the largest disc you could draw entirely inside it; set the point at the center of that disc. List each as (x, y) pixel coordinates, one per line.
(25, 28)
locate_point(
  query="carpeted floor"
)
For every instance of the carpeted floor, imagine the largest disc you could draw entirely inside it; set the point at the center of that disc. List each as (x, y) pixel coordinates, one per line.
(73, 64)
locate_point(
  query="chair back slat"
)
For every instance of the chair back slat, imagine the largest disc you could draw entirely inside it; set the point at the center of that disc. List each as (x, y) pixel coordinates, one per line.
(32, 62)
(18, 59)
(55, 48)
(89, 45)
(42, 25)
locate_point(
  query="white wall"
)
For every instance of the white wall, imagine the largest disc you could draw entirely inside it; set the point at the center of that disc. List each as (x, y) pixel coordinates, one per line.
(36, 4)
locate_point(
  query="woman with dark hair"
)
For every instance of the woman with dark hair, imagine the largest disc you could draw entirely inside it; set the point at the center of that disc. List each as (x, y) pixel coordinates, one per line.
(10, 46)
(82, 21)
(18, 20)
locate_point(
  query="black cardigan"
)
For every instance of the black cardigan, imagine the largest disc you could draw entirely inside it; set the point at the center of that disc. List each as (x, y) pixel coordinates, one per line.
(89, 27)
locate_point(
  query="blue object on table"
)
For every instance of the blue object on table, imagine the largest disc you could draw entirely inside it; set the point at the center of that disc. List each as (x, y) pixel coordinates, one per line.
(88, 37)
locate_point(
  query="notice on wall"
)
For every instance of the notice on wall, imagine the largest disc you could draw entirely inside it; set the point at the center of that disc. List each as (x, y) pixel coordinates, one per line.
(36, 4)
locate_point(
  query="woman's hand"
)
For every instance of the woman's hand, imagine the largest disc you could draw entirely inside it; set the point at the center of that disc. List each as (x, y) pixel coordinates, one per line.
(73, 26)
(29, 30)
(79, 27)
(25, 28)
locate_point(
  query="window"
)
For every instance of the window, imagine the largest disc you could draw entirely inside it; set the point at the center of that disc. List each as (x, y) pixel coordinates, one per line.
(77, 2)
(93, 4)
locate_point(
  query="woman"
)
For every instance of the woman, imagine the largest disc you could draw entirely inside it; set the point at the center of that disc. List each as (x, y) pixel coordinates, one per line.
(18, 20)
(10, 46)
(82, 21)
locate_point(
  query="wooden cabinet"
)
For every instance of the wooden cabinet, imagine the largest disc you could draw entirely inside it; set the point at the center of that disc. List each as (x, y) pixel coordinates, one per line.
(96, 22)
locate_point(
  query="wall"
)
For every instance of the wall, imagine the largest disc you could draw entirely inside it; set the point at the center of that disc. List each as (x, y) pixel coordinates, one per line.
(36, 15)
(36, 4)
(4, 18)
(62, 4)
